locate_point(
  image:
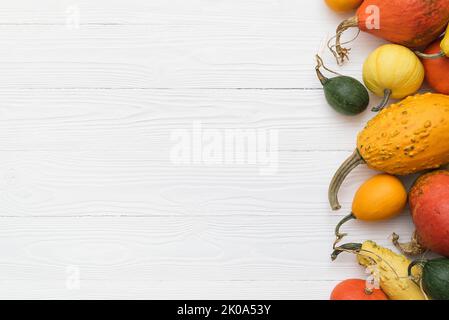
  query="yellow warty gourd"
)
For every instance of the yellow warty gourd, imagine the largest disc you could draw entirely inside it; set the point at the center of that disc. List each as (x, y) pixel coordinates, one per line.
(390, 267)
(407, 137)
(392, 71)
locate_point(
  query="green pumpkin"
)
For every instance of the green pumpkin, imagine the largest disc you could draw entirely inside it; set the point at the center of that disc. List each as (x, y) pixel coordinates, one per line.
(346, 95)
(435, 277)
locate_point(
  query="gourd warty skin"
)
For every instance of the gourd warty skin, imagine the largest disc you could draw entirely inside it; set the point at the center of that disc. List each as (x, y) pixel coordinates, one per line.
(404, 138)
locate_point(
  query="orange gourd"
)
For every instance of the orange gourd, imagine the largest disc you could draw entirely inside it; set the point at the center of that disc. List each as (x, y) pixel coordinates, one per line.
(343, 5)
(437, 70)
(406, 137)
(411, 23)
(356, 289)
(379, 198)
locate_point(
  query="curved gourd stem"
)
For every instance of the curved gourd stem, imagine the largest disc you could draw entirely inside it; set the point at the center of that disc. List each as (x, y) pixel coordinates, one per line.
(319, 74)
(338, 235)
(438, 55)
(352, 162)
(384, 102)
(348, 247)
(319, 65)
(412, 248)
(340, 53)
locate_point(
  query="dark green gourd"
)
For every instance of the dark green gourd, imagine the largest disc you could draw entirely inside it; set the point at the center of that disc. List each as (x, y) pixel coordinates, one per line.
(345, 94)
(435, 277)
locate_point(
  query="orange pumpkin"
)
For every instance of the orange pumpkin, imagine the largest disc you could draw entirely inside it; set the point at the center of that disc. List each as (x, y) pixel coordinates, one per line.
(343, 5)
(411, 23)
(380, 197)
(355, 289)
(437, 70)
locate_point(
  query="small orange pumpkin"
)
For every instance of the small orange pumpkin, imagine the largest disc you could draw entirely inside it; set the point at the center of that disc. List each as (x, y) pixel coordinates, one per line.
(355, 289)
(343, 5)
(380, 197)
(437, 69)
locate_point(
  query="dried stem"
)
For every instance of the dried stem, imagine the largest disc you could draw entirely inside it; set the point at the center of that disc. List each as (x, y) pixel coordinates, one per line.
(352, 162)
(340, 53)
(356, 248)
(338, 235)
(412, 248)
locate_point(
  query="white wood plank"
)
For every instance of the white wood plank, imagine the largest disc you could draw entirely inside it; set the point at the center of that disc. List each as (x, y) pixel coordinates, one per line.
(274, 248)
(262, 44)
(183, 290)
(153, 11)
(141, 184)
(91, 94)
(142, 120)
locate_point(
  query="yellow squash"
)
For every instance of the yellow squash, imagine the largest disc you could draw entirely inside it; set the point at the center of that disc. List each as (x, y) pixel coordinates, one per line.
(380, 197)
(390, 267)
(407, 137)
(392, 71)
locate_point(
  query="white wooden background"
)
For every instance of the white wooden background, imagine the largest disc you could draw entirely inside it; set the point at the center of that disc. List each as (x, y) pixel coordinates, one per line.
(86, 183)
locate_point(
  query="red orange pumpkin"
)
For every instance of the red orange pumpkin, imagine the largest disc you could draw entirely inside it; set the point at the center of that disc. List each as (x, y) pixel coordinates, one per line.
(429, 205)
(437, 70)
(411, 23)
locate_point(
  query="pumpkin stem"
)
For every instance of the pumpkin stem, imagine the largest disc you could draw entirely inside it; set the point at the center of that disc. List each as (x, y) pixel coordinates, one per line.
(319, 64)
(339, 235)
(369, 291)
(339, 52)
(352, 162)
(384, 102)
(430, 55)
(348, 247)
(412, 248)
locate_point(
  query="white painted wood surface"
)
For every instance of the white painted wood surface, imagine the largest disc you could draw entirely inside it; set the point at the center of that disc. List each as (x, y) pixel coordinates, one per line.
(91, 92)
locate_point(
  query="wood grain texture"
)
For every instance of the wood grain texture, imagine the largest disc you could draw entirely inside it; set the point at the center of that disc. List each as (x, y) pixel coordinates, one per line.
(141, 184)
(137, 120)
(203, 290)
(91, 95)
(167, 249)
(177, 44)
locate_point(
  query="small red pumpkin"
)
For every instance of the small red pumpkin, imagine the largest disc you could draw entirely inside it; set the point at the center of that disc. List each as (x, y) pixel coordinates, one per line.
(411, 23)
(437, 70)
(355, 289)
